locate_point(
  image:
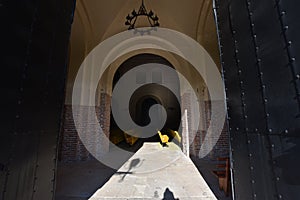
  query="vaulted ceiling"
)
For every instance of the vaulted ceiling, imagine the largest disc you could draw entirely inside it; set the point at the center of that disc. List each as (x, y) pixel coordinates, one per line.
(96, 20)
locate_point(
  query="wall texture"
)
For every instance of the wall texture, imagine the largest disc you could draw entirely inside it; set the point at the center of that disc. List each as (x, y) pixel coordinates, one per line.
(71, 148)
(260, 51)
(35, 38)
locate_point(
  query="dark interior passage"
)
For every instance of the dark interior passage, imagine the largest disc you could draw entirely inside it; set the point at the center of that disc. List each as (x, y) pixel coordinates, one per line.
(142, 117)
(142, 100)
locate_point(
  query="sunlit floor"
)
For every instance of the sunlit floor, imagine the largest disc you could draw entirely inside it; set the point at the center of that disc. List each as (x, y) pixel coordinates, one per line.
(153, 172)
(156, 172)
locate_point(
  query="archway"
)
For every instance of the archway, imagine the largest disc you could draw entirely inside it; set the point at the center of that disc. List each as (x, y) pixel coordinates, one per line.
(92, 27)
(145, 97)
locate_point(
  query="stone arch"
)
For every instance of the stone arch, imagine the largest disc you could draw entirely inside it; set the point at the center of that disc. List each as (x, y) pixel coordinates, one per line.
(135, 59)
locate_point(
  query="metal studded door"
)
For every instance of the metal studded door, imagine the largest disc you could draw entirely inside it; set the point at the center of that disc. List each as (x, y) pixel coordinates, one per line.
(260, 51)
(34, 44)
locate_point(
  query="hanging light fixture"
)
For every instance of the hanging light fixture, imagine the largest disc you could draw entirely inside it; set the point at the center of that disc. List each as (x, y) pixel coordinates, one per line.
(132, 18)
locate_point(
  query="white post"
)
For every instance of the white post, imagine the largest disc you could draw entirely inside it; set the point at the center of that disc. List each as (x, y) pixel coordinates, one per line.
(185, 135)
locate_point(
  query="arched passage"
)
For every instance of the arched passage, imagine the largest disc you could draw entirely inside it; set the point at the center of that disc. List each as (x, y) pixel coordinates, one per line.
(96, 21)
(146, 96)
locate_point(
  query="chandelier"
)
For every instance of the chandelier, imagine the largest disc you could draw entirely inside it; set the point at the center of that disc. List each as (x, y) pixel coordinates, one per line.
(132, 18)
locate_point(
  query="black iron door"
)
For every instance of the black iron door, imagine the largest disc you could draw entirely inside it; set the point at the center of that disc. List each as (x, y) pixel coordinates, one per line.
(260, 50)
(34, 43)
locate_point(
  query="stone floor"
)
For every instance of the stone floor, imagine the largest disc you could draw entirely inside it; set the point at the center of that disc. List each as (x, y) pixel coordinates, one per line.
(156, 172)
(153, 172)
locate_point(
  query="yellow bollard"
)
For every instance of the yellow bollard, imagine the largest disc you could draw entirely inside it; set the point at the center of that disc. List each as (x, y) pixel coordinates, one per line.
(175, 134)
(164, 138)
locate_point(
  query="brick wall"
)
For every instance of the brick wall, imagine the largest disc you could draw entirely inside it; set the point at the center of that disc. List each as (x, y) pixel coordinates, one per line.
(221, 149)
(71, 147)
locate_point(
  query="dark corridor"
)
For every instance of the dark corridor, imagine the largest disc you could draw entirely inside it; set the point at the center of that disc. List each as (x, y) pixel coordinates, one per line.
(142, 100)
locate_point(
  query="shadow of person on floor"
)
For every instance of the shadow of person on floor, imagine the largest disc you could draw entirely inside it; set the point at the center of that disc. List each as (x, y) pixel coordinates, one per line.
(168, 195)
(133, 164)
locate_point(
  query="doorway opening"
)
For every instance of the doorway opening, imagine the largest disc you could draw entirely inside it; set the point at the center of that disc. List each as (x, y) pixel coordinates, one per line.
(143, 99)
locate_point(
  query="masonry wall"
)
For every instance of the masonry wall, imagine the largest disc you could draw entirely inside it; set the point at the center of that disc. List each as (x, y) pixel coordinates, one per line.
(71, 147)
(196, 139)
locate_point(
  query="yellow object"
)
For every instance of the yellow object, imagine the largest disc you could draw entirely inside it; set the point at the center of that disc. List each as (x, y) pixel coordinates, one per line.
(164, 138)
(116, 136)
(175, 134)
(130, 139)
